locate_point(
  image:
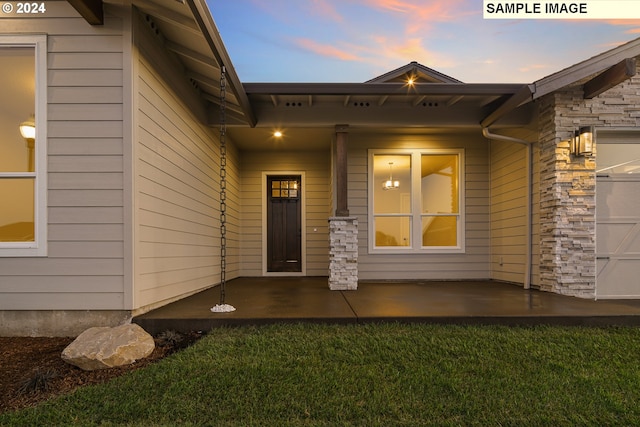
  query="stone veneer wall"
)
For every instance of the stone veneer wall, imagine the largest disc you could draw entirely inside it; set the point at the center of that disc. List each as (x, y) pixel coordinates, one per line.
(343, 253)
(568, 184)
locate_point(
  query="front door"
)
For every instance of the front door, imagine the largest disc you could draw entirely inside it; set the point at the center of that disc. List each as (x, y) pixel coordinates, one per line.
(284, 224)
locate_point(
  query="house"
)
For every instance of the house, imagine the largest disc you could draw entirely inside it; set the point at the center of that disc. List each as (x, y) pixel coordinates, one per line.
(113, 207)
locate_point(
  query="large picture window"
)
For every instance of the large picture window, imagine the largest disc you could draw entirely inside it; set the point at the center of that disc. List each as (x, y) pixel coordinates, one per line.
(415, 201)
(23, 146)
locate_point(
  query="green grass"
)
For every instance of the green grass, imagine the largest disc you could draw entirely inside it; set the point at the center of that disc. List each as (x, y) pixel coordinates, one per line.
(372, 375)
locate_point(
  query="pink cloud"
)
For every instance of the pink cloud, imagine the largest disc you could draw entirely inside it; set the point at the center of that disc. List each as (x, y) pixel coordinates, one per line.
(421, 14)
(325, 8)
(624, 22)
(326, 50)
(394, 52)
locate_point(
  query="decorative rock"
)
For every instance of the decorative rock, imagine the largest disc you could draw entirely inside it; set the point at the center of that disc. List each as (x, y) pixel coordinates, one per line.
(105, 347)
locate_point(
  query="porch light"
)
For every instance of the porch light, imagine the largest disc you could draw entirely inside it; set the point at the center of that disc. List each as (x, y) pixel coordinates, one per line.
(390, 184)
(582, 143)
(277, 134)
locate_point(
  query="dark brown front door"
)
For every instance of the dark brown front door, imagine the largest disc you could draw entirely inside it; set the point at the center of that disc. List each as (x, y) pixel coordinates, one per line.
(284, 224)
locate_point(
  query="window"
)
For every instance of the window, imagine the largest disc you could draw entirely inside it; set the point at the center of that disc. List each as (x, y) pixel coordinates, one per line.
(415, 201)
(23, 146)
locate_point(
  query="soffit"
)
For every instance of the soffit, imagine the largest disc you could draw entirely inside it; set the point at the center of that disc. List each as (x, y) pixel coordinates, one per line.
(187, 30)
(309, 112)
(380, 104)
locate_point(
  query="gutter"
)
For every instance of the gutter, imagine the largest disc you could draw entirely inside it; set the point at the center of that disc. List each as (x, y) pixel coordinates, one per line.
(529, 215)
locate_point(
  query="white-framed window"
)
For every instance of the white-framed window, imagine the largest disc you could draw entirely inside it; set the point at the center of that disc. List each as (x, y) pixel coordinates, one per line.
(23, 127)
(416, 201)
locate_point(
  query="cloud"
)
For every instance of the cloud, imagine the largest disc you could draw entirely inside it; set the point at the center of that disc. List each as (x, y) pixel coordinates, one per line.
(421, 15)
(532, 67)
(326, 50)
(327, 9)
(624, 22)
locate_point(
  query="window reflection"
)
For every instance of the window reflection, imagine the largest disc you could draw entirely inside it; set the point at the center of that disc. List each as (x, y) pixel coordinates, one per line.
(417, 209)
(17, 153)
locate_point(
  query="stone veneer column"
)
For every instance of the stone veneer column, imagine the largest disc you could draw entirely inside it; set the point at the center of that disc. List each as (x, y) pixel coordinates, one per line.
(343, 229)
(343, 253)
(567, 199)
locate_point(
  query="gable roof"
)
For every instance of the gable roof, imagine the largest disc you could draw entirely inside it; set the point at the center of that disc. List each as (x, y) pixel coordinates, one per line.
(597, 74)
(418, 72)
(187, 30)
(586, 69)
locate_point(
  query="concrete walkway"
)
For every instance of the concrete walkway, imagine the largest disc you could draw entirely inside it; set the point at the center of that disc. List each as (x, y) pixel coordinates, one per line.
(264, 300)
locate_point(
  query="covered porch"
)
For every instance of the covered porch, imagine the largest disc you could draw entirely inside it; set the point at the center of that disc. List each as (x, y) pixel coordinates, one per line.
(264, 300)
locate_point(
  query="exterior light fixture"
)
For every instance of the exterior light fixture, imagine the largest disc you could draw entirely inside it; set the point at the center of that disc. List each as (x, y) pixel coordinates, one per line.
(390, 184)
(582, 143)
(277, 134)
(28, 132)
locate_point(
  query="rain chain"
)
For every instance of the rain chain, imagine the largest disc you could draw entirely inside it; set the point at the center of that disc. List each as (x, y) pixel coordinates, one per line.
(222, 307)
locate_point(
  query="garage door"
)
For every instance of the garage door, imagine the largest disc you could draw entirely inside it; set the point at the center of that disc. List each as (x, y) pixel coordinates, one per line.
(618, 217)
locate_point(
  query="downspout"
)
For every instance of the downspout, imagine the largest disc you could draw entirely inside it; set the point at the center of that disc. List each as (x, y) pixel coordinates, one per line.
(529, 228)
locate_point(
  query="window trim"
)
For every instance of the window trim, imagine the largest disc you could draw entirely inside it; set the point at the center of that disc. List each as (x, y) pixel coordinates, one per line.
(416, 214)
(38, 247)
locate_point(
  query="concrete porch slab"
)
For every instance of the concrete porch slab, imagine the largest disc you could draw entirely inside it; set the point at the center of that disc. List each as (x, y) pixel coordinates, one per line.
(262, 300)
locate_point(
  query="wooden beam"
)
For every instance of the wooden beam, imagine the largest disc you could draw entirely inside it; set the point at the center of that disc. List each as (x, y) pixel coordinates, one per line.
(342, 135)
(615, 75)
(91, 10)
(517, 99)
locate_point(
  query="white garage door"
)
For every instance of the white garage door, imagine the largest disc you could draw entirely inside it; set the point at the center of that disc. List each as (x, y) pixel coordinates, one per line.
(618, 217)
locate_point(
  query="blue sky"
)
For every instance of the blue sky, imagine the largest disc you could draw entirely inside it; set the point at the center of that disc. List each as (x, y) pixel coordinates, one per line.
(356, 40)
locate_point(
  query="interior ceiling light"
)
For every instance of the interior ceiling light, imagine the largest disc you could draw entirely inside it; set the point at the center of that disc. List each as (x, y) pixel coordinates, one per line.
(390, 184)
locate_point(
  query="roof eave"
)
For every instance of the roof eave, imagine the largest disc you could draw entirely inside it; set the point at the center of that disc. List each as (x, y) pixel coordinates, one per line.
(210, 31)
(586, 68)
(496, 89)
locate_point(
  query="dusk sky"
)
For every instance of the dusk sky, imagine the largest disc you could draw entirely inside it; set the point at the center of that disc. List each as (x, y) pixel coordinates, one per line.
(357, 40)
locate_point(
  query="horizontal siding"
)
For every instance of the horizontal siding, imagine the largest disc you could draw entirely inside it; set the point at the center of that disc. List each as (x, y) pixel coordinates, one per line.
(80, 147)
(315, 165)
(177, 247)
(508, 211)
(84, 268)
(474, 263)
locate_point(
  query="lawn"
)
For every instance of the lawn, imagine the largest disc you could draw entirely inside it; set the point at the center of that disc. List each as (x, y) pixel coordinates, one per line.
(372, 375)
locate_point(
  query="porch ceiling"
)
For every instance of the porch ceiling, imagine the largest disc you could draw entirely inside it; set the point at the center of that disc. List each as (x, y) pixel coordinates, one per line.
(319, 138)
(307, 113)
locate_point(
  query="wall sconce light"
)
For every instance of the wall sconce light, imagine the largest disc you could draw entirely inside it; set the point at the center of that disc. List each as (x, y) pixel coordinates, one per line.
(28, 132)
(582, 143)
(28, 128)
(390, 184)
